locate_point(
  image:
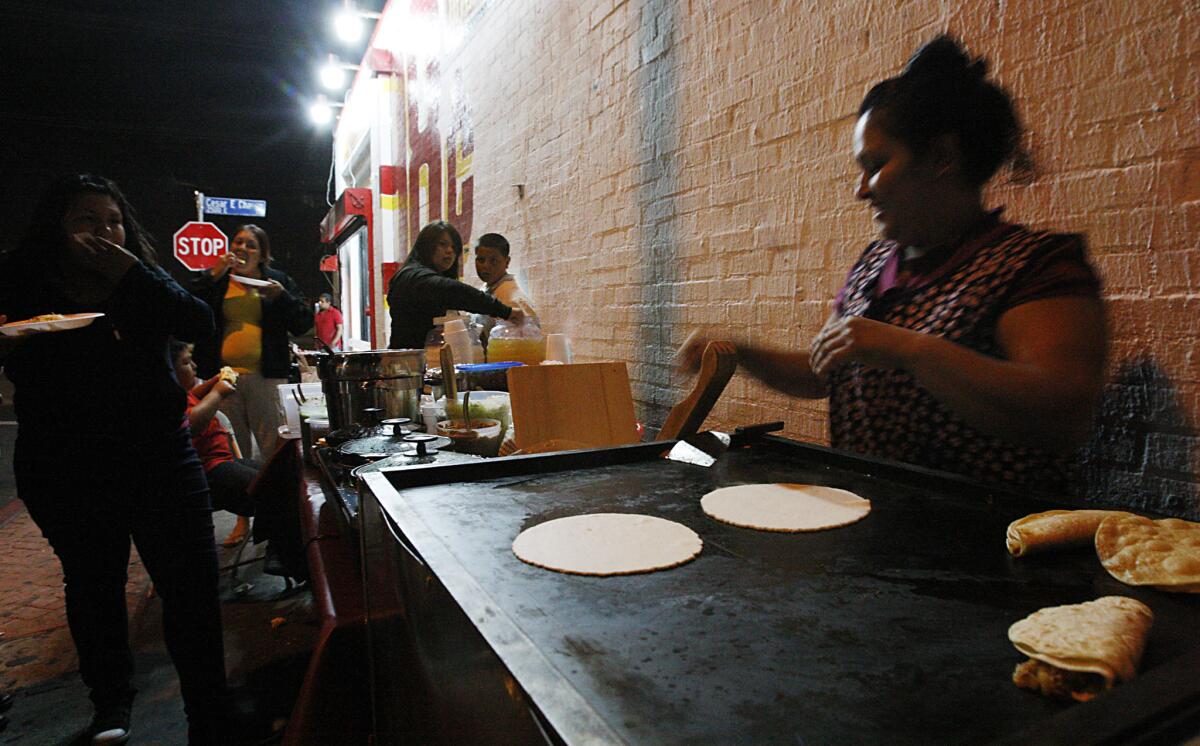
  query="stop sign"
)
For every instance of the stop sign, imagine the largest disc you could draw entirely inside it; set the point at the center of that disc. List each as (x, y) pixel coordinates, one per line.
(197, 245)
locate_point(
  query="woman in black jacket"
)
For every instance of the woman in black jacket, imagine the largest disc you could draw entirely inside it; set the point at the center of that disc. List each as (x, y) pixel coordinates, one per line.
(103, 452)
(255, 307)
(427, 286)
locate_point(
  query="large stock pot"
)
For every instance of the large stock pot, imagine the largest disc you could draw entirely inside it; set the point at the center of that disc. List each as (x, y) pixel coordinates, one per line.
(389, 380)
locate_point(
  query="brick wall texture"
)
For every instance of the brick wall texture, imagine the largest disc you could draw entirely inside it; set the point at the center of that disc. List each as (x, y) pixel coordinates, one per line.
(687, 163)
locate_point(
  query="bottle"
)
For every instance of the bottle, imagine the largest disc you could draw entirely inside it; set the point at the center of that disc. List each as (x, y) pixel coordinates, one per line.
(433, 344)
(437, 337)
(465, 344)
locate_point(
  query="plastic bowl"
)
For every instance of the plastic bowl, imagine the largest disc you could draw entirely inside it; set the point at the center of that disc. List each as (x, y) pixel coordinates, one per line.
(493, 405)
(482, 438)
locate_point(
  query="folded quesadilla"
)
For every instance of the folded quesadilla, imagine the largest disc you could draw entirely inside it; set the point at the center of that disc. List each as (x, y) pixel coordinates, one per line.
(1081, 650)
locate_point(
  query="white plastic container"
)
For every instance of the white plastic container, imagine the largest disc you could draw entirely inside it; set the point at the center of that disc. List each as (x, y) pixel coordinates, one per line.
(290, 395)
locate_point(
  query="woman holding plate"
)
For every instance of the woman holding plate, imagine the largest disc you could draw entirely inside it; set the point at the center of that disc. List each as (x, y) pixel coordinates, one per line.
(255, 307)
(103, 455)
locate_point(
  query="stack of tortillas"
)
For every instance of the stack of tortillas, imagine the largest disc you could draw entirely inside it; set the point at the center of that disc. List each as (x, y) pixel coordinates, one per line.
(1135, 550)
(785, 507)
(607, 544)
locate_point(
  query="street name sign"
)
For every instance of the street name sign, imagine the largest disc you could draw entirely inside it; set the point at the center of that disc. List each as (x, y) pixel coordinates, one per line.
(254, 208)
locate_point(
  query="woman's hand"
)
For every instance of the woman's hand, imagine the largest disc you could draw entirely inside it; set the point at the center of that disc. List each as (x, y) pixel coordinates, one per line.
(854, 339)
(271, 292)
(225, 262)
(689, 354)
(100, 255)
(517, 316)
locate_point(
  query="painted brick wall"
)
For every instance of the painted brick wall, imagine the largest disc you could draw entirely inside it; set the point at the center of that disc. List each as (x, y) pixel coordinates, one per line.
(687, 163)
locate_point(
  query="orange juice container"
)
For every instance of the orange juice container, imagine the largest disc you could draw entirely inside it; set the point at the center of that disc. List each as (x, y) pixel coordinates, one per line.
(521, 343)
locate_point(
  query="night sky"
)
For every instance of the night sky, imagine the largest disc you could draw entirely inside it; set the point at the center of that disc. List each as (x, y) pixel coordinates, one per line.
(168, 97)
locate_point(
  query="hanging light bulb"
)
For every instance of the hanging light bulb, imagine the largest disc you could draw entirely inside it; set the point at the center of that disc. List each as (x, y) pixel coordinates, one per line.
(320, 112)
(333, 74)
(348, 24)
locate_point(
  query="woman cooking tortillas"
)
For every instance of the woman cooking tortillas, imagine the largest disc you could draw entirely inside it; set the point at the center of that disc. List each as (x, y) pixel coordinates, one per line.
(960, 341)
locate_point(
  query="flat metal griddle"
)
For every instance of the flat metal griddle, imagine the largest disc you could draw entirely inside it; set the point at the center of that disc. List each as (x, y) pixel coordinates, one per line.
(891, 630)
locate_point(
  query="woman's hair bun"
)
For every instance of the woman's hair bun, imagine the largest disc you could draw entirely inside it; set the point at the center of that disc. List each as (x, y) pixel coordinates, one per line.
(943, 91)
(944, 59)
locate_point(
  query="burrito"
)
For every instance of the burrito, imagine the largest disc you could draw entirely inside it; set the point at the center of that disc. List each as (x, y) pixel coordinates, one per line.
(1054, 529)
(228, 374)
(1140, 551)
(1078, 651)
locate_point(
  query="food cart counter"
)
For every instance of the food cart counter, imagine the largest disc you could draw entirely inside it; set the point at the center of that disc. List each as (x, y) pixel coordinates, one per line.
(890, 630)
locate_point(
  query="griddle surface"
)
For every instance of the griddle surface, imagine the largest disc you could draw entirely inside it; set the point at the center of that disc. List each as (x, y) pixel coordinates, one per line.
(891, 630)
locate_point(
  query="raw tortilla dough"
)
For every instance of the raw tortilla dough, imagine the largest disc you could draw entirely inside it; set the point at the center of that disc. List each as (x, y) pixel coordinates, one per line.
(607, 544)
(785, 507)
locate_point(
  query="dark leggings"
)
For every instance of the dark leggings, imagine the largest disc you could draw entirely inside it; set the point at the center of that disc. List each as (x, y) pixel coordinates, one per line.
(89, 500)
(230, 484)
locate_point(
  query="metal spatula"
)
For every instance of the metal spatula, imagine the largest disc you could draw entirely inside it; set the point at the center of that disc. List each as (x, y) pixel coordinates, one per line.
(703, 449)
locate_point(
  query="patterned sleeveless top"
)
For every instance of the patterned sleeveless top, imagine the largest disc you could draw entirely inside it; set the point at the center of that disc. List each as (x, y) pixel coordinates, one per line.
(885, 413)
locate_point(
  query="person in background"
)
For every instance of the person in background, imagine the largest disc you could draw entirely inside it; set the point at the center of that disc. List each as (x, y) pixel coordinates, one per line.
(960, 341)
(329, 323)
(427, 286)
(255, 307)
(492, 256)
(103, 452)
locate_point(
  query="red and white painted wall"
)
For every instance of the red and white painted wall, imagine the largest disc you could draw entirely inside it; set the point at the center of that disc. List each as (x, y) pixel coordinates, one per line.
(661, 164)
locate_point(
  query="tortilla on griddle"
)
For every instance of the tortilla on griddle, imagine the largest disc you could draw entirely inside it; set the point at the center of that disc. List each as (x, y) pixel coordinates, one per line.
(785, 507)
(607, 544)
(1140, 551)
(1054, 529)
(1079, 650)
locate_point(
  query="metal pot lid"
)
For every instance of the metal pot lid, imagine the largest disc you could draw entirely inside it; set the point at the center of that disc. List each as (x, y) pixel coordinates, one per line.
(401, 460)
(381, 446)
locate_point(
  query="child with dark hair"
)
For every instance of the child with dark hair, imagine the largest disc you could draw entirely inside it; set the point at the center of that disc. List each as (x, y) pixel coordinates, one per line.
(492, 256)
(229, 475)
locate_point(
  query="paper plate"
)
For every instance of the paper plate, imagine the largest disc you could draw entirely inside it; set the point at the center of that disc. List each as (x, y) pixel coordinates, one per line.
(251, 281)
(69, 321)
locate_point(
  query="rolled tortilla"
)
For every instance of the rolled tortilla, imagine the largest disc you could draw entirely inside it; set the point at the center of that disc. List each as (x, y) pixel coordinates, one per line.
(1105, 637)
(1054, 529)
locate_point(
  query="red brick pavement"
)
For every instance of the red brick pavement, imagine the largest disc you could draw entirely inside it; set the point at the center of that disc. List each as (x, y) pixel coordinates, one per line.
(36, 645)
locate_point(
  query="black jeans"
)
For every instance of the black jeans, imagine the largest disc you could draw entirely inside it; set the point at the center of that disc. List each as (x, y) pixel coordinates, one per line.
(89, 497)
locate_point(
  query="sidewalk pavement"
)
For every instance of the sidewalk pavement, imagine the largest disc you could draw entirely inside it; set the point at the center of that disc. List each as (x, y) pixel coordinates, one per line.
(36, 646)
(269, 638)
